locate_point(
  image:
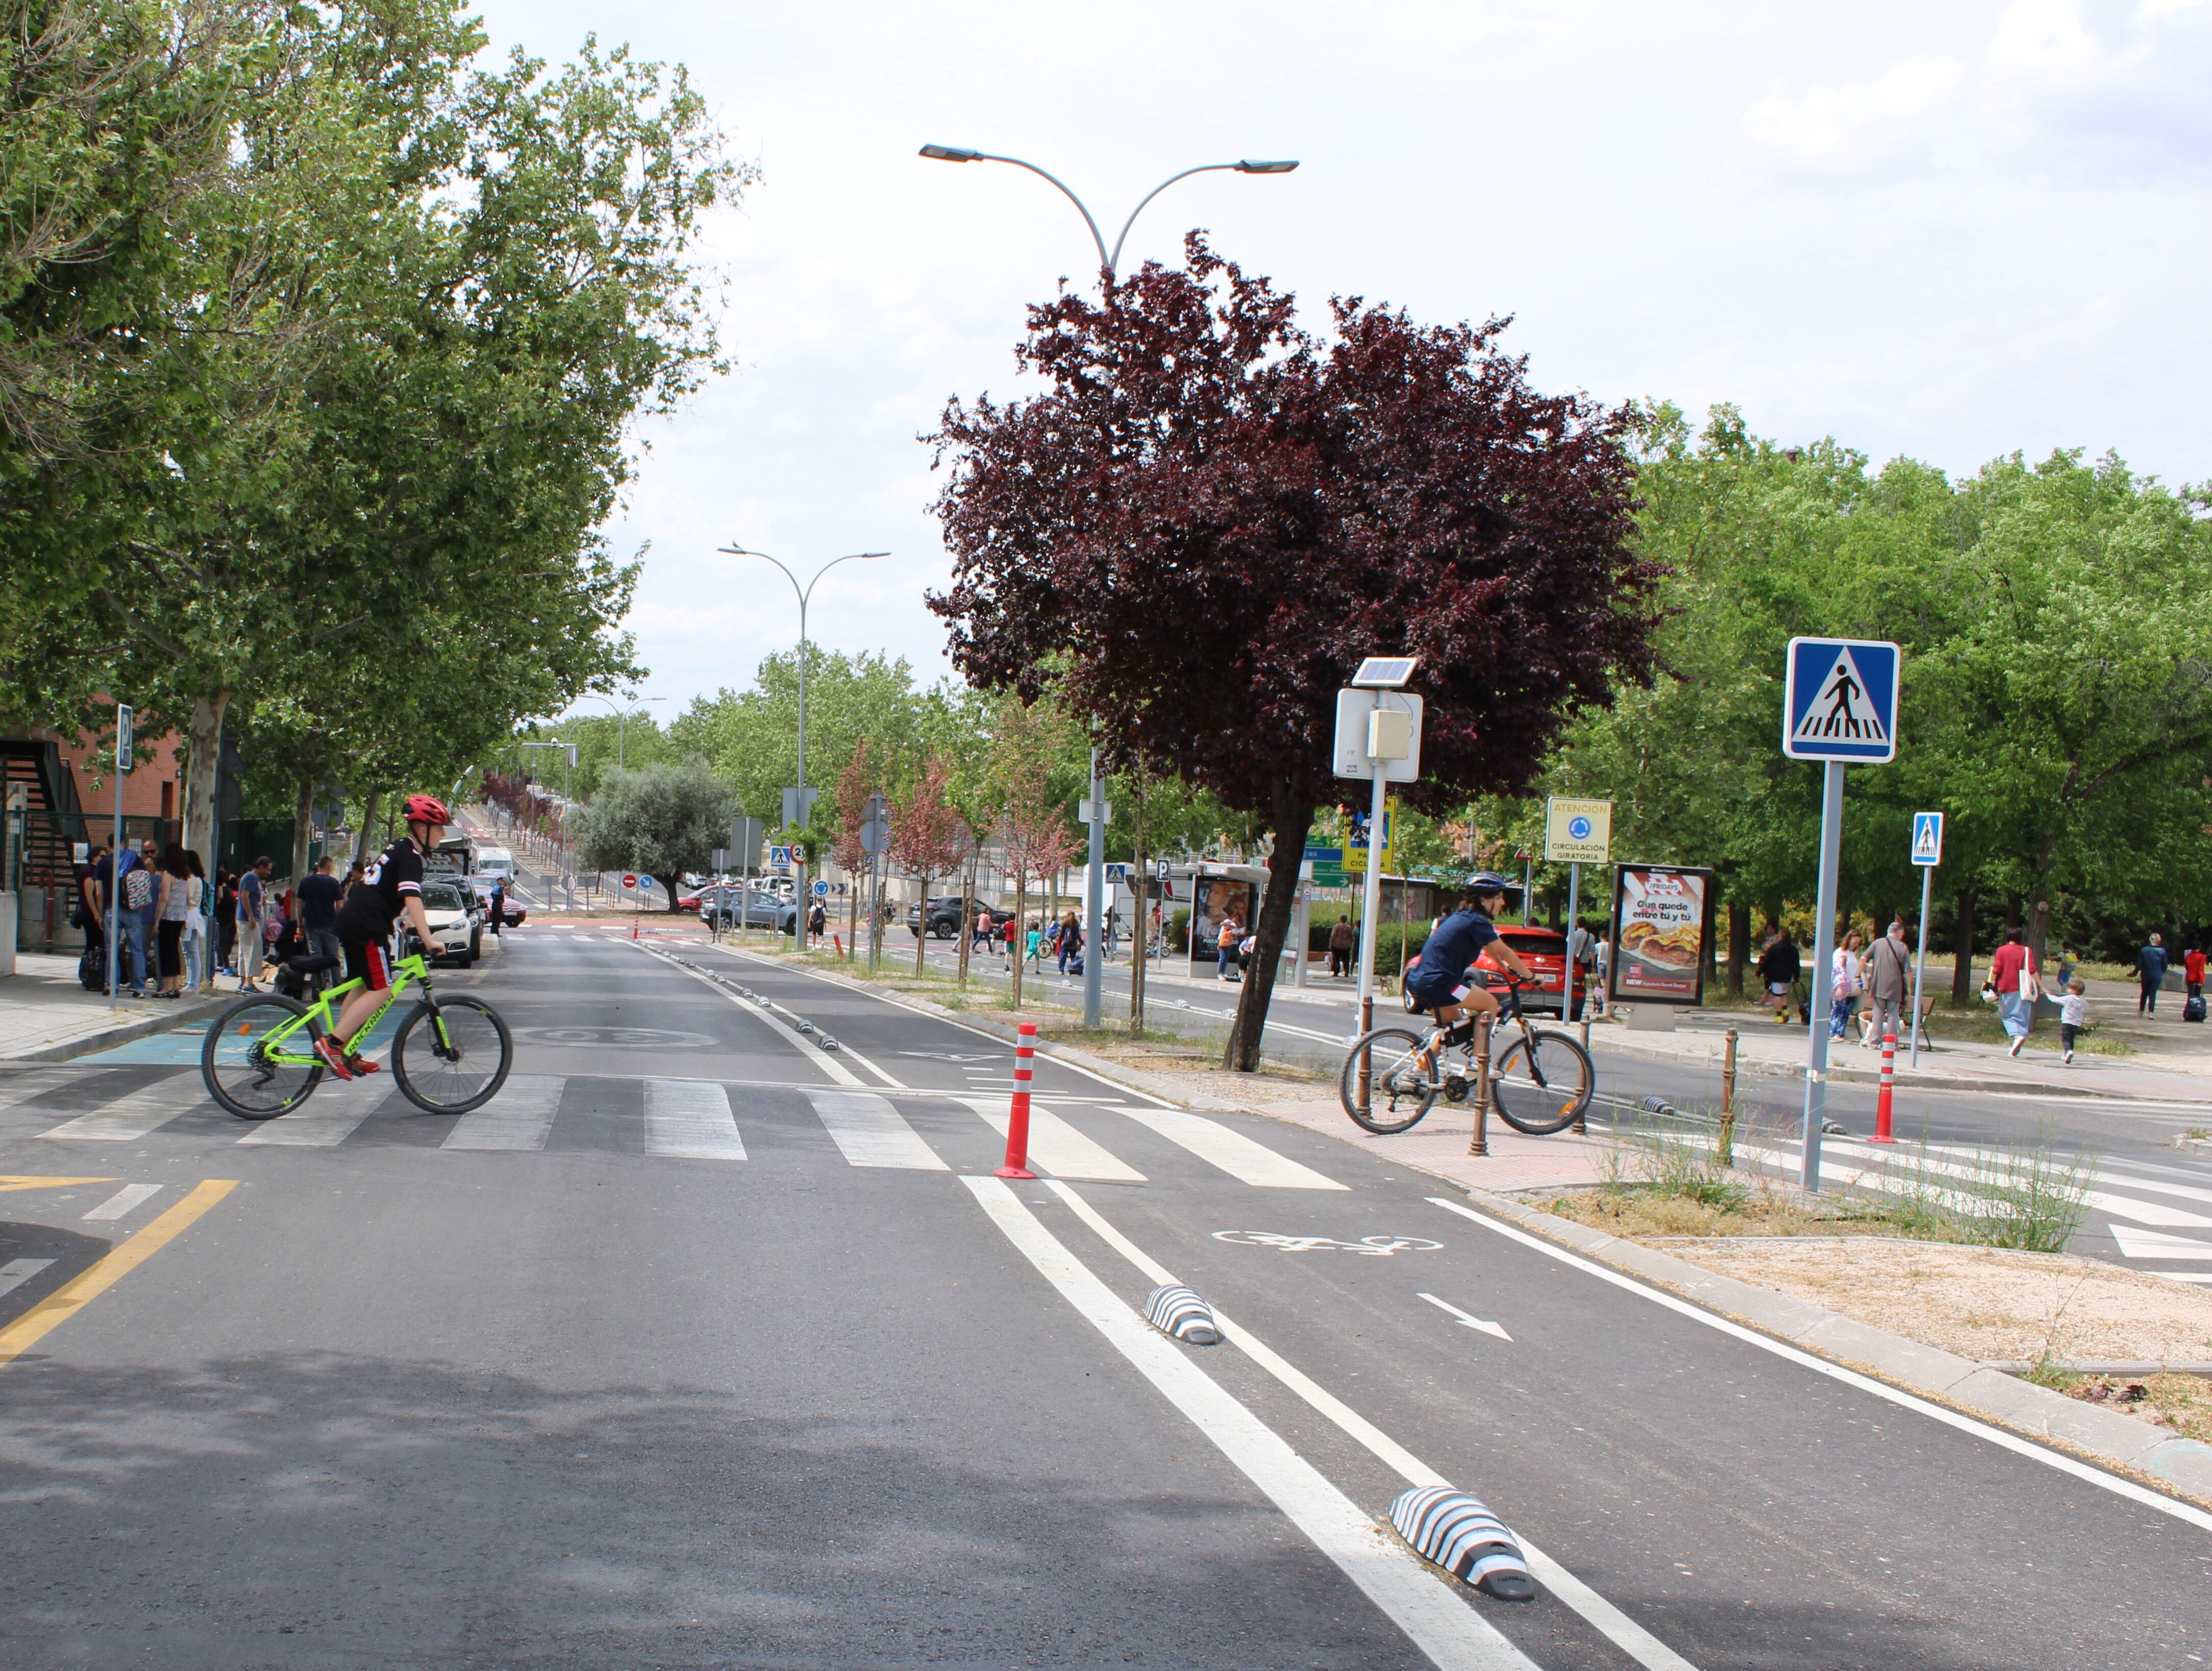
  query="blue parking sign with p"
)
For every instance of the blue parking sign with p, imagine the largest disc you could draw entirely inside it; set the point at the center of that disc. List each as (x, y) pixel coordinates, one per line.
(1840, 700)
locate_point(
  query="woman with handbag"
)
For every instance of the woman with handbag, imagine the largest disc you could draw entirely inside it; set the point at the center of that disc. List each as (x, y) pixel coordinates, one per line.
(2013, 980)
(198, 977)
(1845, 985)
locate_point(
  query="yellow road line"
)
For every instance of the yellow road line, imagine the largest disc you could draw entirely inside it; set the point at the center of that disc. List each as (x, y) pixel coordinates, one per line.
(88, 1285)
(25, 1181)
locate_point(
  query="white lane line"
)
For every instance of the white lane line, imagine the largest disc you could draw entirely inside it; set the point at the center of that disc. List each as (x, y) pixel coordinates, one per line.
(1466, 1317)
(1881, 1389)
(328, 1119)
(17, 1271)
(1057, 1146)
(2188, 1276)
(1447, 1629)
(1616, 1626)
(1232, 1152)
(120, 1204)
(139, 1115)
(871, 1131)
(2156, 1245)
(690, 1120)
(519, 1118)
(836, 1070)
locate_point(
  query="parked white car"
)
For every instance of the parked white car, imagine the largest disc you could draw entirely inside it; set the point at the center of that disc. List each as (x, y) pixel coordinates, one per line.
(456, 921)
(496, 862)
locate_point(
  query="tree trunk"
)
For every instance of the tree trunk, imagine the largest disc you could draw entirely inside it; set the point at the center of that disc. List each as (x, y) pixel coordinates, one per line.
(1242, 1054)
(670, 884)
(921, 935)
(1019, 946)
(967, 921)
(1962, 956)
(360, 839)
(303, 829)
(203, 738)
(852, 912)
(1738, 946)
(2039, 926)
(1140, 929)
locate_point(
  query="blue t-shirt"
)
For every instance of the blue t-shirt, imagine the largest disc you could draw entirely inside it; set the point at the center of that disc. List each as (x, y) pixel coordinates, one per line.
(1457, 942)
(2151, 961)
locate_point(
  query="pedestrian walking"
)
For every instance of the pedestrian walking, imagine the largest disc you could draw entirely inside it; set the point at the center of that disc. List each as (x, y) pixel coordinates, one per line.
(1067, 941)
(1224, 945)
(1342, 940)
(497, 904)
(2150, 971)
(226, 921)
(253, 906)
(2013, 980)
(197, 974)
(139, 893)
(1889, 986)
(979, 936)
(1845, 985)
(1779, 966)
(320, 894)
(169, 919)
(89, 912)
(2192, 970)
(2073, 1017)
(817, 920)
(1012, 937)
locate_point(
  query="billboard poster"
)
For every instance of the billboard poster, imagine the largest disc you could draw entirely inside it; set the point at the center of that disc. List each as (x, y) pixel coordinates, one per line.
(1663, 927)
(1211, 899)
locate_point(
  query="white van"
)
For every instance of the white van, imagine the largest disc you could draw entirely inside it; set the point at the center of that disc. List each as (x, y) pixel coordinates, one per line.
(496, 862)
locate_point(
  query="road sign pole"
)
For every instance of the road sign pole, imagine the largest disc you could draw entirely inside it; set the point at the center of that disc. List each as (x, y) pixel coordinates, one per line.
(1370, 918)
(1920, 961)
(1824, 944)
(1094, 906)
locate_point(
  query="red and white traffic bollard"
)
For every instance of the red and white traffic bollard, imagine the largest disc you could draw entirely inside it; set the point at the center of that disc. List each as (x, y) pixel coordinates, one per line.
(1881, 1106)
(1017, 1125)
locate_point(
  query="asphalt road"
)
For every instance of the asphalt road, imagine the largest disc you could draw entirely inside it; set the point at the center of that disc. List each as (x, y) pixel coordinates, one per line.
(570, 1382)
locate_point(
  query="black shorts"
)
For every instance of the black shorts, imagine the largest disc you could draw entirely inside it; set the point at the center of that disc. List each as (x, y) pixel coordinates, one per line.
(369, 961)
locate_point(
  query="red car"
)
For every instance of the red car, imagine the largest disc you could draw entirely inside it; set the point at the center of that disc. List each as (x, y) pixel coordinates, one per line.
(1545, 951)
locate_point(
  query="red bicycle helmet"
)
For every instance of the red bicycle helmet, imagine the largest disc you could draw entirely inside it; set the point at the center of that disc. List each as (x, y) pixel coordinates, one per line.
(427, 809)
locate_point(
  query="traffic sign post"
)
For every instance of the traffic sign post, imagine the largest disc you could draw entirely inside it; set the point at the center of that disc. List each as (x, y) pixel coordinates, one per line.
(1378, 737)
(1839, 707)
(1577, 833)
(124, 716)
(1927, 852)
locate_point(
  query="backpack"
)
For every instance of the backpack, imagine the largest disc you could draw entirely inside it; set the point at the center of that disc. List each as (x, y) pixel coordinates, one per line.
(138, 889)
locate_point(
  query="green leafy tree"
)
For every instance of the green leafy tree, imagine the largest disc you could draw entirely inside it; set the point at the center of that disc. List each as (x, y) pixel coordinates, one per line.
(663, 820)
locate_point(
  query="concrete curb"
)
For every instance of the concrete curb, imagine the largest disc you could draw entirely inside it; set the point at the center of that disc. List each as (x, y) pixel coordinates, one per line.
(144, 1026)
(2184, 1466)
(1906, 1078)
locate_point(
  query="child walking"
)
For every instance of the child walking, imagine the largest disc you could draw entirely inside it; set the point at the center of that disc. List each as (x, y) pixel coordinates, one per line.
(2073, 1016)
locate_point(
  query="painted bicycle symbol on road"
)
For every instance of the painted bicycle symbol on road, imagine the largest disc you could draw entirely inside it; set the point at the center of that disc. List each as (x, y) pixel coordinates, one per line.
(1379, 1246)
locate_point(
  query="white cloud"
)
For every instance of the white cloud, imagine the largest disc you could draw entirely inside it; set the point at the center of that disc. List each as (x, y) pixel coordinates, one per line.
(1859, 124)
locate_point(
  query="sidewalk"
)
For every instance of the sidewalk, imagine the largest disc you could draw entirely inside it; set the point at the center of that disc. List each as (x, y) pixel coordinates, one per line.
(46, 1017)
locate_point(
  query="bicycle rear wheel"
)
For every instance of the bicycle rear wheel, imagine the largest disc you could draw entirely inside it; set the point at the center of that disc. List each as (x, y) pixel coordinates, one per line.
(235, 1063)
(1541, 1082)
(1401, 1086)
(452, 1059)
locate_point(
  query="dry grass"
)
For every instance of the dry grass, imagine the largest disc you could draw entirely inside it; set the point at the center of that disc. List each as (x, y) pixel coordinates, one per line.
(2181, 1403)
(1768, 1208)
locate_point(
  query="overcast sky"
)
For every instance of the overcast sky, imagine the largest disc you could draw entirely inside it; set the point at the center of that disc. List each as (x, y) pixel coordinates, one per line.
(1952, 230)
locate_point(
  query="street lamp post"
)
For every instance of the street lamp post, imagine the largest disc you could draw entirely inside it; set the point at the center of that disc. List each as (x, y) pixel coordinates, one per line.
(568, 763)
(1109, 261)
(804, 593)
(622, 732)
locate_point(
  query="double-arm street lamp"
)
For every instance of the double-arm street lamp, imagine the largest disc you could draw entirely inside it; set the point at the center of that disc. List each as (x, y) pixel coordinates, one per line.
(1109, 261)
(804, 592)
(622, 733)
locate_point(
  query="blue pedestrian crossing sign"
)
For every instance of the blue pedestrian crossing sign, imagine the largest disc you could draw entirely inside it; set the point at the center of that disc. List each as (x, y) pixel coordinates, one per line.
(1927, 838)
(1841, 701)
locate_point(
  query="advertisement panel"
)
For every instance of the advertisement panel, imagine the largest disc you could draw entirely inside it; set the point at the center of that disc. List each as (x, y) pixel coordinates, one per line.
(1214, 897)
(1662, 918)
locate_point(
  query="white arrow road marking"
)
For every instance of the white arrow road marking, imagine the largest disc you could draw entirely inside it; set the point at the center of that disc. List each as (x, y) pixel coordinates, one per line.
(1471, 1322)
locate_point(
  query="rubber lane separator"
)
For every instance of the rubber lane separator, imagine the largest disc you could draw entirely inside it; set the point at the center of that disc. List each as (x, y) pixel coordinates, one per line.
(88, 1285)
(1454, 1636)
(1881, 1389)
(1609, 1621)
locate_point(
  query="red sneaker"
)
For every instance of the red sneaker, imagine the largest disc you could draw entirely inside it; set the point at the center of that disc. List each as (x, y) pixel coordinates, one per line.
(361, 1064)
(328, 1053)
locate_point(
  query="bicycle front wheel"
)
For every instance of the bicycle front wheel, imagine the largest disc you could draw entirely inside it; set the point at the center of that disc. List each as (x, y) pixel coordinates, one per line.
(453, 1058)
(1541, 1082)
(1402, 1083)
(243, 1072)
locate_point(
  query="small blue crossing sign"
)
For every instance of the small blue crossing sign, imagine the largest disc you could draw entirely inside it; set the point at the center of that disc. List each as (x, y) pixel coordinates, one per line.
(1927, 838)
(1841, 701)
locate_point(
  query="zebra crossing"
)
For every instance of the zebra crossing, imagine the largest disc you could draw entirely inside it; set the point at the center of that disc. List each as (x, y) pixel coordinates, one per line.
(683, 1120)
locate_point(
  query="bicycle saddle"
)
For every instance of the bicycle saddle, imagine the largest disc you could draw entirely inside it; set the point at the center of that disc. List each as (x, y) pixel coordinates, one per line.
(311, 965)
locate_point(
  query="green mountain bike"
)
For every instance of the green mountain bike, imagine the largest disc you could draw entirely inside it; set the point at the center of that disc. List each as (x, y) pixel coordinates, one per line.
(451, 1054)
